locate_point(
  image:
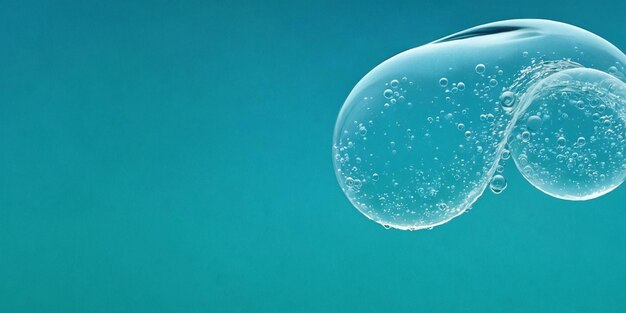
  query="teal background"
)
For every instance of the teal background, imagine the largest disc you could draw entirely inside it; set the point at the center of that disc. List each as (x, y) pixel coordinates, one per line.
(161, 156)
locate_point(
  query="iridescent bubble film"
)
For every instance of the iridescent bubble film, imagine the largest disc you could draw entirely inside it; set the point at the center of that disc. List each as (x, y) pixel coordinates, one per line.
(425, 133)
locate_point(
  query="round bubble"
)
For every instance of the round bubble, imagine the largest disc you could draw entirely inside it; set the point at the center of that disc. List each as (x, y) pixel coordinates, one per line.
(498, 184)
(413, 147)
(577, 119)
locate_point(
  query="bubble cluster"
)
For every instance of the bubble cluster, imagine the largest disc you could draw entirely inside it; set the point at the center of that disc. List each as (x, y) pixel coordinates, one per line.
(424, 134)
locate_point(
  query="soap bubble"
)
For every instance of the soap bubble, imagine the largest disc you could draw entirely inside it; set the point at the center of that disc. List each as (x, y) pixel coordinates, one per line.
(480, 68)
(498, 184)
(438, 169)
(508, 100)
(578, 169)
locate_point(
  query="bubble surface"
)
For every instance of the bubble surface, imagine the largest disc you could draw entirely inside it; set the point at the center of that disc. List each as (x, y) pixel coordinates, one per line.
(430, 128)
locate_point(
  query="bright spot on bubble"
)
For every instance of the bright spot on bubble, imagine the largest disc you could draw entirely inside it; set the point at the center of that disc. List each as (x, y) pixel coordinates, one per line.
(422, 136)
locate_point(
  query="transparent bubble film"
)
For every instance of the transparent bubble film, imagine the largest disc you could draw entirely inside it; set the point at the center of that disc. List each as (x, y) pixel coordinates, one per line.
(425, 133)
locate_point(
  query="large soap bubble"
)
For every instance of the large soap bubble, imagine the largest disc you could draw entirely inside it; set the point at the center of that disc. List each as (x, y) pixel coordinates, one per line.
(421, 136)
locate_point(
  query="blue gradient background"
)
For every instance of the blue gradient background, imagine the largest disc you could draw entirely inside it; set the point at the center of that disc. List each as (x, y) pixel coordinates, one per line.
(161, 156)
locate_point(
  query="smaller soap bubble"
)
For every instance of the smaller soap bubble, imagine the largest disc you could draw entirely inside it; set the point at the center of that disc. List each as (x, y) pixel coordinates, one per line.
(480, 68)
(506, 154)
(498, 184)
(573, 155)
(533, 123)
(375, 177)
(362, 130)
(507, 101)
(500, 168)
(443, 82)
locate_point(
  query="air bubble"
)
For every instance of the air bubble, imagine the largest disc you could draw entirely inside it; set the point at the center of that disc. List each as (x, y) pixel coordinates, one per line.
(506, 154)
(362, 130)
(507, 101)
(480, 68)
(459, 132)
(498, 184)
(533, 123)
(578, 179)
